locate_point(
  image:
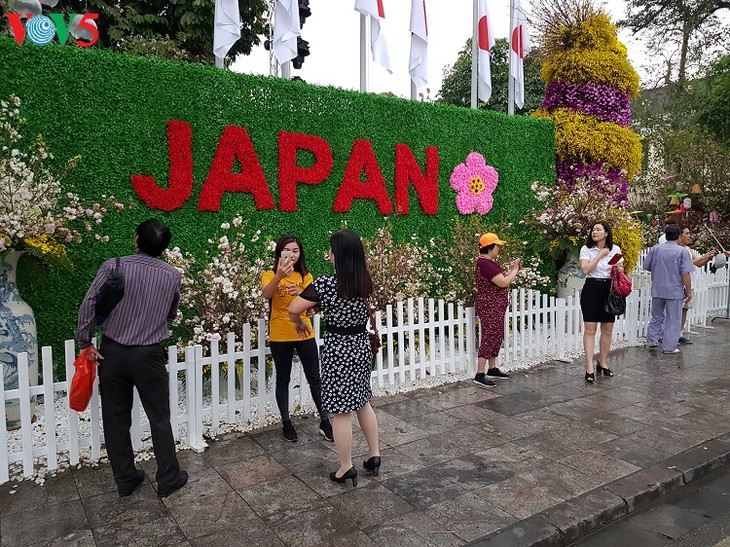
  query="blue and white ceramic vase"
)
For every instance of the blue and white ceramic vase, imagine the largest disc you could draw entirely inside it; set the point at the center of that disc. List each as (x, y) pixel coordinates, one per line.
(17, 334)
(570, 278)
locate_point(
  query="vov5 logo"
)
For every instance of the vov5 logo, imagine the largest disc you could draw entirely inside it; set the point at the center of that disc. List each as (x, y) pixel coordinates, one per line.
(41, 29)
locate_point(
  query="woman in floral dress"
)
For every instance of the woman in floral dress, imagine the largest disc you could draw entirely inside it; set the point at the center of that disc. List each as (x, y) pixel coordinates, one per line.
(491, 304)
(346, 360)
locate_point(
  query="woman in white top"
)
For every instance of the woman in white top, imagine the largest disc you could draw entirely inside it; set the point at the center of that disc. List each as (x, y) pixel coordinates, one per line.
(595, 258)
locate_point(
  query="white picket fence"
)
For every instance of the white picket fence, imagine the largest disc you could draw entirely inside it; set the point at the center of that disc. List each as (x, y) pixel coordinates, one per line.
(421, 339)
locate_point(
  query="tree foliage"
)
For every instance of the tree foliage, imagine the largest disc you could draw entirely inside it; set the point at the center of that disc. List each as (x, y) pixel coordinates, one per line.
(456, 85)
(683, 32)
(714, 108)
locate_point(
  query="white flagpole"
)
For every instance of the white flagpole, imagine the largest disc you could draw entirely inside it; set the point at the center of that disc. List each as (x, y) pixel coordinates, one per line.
(414, 91)
(218, 62)
(286, 70)
(363, 53)
(510, 79)
(475, 54)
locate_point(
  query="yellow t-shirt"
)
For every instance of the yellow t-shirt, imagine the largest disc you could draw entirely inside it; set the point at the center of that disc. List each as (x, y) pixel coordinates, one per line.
(281, 329)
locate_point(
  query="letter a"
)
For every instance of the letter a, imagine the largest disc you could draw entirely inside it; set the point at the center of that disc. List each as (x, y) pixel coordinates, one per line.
(362, 158)
(235, 144)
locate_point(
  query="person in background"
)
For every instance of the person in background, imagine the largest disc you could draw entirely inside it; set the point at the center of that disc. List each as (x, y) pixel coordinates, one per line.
(597, 257)
(685, 240)
(671, 284)
(347, 357)
(492, 298)
(663, 237)
(279, 286)
(131, 356)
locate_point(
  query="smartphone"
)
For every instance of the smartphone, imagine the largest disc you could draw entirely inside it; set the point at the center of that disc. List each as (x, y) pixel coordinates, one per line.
(286, 255)
(615, 259)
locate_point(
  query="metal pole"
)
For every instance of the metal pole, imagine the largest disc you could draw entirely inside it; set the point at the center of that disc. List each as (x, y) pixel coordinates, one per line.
(414, 91)
(363, 53)
(286, 70)
(510, 79)
(475, 55)
(273, 61)
(218, 62)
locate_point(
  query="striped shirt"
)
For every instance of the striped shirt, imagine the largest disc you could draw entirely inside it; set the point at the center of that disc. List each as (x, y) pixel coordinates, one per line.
(151, 297)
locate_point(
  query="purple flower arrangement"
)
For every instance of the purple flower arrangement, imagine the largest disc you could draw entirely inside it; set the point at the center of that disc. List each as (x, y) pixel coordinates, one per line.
(605, 180)
(604, 102)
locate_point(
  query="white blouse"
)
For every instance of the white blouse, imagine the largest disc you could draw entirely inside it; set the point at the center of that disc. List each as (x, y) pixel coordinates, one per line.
(602, 269)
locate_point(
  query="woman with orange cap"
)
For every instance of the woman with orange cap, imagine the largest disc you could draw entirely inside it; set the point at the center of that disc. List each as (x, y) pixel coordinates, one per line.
(491, 304)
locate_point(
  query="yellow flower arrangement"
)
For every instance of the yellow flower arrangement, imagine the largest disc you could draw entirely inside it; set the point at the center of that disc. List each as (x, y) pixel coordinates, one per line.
(597, 66)
(583, 139)
(589, 51)
(627, 235)
(595, 32)
(47, 247)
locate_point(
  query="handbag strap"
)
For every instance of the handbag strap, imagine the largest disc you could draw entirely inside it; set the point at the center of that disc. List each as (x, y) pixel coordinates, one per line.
(116, 267)
(372, 315)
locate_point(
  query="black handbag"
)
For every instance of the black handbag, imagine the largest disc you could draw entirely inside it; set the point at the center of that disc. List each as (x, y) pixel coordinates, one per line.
(110, 293)
(615, 303)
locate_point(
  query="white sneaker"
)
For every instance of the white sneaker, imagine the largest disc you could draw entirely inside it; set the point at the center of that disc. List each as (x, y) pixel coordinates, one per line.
(674, 351)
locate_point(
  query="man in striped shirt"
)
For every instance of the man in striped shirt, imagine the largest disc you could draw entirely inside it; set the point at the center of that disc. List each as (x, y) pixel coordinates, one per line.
(131, 356)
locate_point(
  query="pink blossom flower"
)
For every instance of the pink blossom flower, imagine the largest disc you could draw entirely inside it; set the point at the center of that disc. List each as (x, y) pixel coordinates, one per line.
(474, 181)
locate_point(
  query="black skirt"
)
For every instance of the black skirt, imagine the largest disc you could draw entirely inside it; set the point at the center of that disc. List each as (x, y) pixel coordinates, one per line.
(593, 300)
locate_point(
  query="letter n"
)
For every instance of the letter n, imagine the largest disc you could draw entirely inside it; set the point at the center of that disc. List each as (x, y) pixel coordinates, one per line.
(427, 186)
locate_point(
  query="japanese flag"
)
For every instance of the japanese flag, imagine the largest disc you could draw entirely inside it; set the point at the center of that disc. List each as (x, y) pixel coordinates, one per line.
(418, 66)
(519, 46)
(286, 30)
(226, 26)
(378, 42)
(485, 37)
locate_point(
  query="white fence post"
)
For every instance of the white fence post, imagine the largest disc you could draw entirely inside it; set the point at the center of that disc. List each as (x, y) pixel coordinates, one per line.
(173, 392)
(470, 341)
(73, 418)
(4, 459)
(194, 389)
(50, 409)
(25, 423)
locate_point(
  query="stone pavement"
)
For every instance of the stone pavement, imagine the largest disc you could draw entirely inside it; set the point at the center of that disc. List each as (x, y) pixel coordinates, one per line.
(542, 459)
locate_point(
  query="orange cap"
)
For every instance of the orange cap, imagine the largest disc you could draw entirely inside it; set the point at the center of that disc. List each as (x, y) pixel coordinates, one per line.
(489, 239)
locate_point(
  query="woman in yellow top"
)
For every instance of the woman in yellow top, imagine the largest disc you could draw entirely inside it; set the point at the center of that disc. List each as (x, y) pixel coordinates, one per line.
(279, 287)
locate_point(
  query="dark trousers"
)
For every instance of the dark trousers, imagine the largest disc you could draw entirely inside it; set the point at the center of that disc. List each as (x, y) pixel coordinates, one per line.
(143, 367)
(283, 354)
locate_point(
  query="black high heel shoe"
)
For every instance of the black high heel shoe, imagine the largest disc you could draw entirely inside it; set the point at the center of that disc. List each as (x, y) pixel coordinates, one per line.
(590, 377)
(605, 370)
(372, 465)
(351, 474)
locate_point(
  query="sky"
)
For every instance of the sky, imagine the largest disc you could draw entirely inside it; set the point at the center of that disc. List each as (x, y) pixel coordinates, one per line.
(333, 33)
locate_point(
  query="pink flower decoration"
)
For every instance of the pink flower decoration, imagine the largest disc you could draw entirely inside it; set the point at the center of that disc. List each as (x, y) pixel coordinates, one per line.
(474, 181)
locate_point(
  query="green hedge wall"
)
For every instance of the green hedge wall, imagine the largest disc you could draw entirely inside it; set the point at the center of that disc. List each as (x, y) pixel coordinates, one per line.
(113, 110)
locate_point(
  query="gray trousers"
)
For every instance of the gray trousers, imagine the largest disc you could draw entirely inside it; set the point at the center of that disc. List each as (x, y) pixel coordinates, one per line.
(666, 322)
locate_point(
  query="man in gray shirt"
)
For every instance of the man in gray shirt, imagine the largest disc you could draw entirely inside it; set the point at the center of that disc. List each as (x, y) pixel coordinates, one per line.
(131, 356)
(670, 265)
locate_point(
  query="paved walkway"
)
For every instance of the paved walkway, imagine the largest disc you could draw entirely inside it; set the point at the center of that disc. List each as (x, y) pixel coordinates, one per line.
(541, 459)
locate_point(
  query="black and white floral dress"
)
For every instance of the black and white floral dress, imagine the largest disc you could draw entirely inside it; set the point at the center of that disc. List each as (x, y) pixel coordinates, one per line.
(346, 360)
